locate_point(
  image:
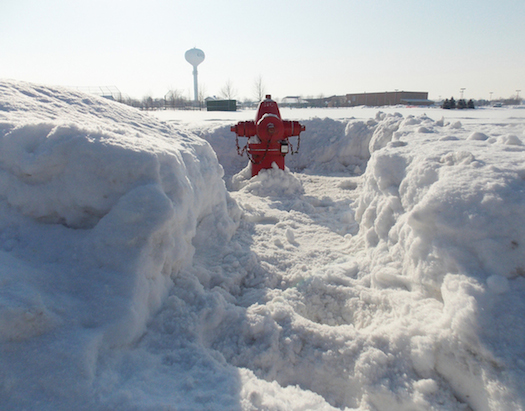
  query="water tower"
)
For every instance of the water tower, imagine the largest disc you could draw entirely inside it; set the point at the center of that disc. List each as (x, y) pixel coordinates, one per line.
(195, 57)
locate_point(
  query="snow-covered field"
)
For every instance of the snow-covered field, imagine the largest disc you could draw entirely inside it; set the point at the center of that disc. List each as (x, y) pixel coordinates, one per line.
(383, 271)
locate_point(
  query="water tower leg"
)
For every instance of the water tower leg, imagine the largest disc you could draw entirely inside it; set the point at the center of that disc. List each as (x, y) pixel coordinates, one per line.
(195, 86)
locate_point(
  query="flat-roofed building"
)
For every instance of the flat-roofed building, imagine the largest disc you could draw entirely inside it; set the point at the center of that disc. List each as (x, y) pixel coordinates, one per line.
(389, 98)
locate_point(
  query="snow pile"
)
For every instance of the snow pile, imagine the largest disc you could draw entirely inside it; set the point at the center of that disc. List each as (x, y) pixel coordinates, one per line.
(99, 206)
(327, 145)
(268, 183)
(443, 218)
(224, 143)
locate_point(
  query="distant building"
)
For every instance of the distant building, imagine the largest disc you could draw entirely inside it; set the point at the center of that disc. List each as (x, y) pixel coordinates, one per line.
(293, 101)
(389, 98)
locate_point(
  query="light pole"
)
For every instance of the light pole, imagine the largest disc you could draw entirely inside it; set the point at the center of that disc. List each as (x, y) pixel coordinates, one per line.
(491, 93)
(518, 95)
(461, 92)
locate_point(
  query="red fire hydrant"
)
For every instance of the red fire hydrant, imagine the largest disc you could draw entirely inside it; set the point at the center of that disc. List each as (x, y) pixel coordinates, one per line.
(267, 136)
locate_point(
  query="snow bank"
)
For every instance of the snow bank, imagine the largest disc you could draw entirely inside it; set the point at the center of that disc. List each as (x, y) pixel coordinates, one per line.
(441, 216)
(99, 206)
(272, 182)
(327, 145)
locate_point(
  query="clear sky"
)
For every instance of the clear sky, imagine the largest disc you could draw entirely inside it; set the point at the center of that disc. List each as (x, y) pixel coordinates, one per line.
(297, 47)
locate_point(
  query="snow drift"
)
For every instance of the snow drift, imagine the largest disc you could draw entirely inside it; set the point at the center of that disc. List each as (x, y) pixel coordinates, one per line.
(442, 217)
(99, 206)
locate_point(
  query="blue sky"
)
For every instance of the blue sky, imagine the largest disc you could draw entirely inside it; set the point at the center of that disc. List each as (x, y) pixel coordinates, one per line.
(297, 47)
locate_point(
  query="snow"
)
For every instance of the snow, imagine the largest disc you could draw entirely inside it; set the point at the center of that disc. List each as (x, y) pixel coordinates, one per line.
(141, 268)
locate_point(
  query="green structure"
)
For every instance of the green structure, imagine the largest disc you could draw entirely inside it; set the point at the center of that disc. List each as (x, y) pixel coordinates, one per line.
(221, 105)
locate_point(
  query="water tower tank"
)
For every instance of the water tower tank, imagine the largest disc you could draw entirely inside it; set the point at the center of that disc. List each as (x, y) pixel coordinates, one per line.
(195, 57)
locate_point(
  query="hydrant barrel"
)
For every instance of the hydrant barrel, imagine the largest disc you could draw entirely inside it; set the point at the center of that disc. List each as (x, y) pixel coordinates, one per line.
(270, 127)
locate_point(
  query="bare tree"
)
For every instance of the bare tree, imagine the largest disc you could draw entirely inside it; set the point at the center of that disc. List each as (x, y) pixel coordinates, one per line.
(202, 93)
(258, 89)
(174, 98)
(228, 92)
(147, 102)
